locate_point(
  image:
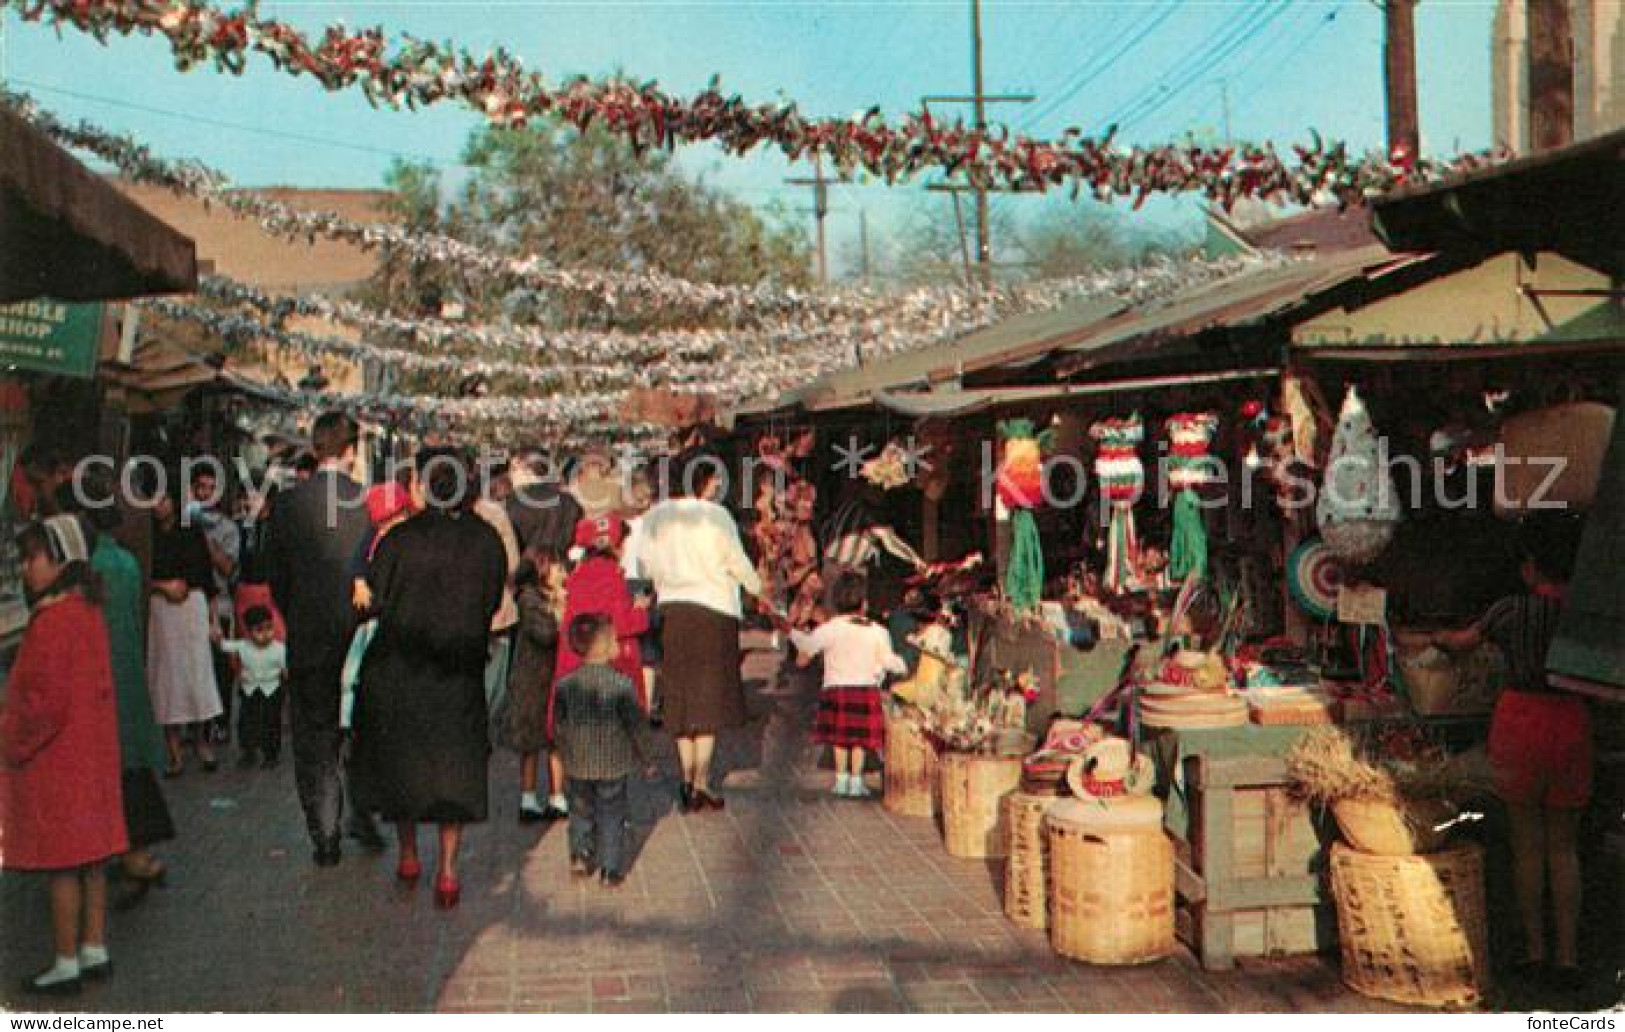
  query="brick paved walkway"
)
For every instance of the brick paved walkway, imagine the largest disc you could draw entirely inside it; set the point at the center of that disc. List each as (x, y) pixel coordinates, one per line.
(787, 901)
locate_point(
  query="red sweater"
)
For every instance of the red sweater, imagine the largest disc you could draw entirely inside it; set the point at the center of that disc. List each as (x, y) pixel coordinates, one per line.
(60, 801)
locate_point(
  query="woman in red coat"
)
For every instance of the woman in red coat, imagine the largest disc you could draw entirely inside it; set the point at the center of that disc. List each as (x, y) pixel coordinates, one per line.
(60, 805)
(597, 585)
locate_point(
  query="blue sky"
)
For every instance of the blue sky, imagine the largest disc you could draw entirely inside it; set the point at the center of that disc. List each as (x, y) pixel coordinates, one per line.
(1286, 65)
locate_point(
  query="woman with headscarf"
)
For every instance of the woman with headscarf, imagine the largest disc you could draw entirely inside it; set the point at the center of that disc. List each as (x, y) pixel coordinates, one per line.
(60, 805)
(420, 723)
(181, 663)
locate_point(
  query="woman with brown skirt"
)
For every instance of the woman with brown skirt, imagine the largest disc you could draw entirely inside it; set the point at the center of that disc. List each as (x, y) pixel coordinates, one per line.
(692, 553)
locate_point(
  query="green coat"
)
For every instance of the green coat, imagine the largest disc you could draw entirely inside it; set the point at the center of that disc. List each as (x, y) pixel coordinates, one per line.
(141, 743)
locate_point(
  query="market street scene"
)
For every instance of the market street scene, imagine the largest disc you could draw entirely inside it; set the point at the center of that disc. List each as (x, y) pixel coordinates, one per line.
(977, 507)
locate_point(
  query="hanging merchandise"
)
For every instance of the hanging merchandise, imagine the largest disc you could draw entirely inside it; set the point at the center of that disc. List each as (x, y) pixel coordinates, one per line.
(1358, 508)
(1021, 489)
(1314, 577)
(1190, 436)
(1122, 481)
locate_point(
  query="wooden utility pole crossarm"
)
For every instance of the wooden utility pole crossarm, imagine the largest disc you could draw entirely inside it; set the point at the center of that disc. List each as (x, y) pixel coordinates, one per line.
(979, 99)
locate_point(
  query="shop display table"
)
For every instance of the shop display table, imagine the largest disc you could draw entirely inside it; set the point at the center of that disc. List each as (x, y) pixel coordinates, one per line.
(1249, 857)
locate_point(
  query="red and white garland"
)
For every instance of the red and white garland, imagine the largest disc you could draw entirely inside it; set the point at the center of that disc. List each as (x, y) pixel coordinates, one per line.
(412, 73)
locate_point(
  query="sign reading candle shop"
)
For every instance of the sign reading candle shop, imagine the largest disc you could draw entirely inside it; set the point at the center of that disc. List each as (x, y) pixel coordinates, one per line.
(51, 336)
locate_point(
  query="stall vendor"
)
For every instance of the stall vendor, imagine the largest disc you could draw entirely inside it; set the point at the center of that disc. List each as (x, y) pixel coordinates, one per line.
(1540, 750)
(858, 538)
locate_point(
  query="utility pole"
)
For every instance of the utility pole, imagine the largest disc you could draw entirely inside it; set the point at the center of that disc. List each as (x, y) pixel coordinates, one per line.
(863, 243)
(820, 189)
(979, 99)
(1399, 74)
(984, 234)
(1224, 108)
(1551, 74)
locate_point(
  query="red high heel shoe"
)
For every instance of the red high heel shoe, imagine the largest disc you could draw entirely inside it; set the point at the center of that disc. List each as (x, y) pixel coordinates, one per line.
(408, 871)
(446, 892)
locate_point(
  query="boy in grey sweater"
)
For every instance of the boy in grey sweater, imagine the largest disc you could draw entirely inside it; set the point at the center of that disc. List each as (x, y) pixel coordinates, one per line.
(602, 736)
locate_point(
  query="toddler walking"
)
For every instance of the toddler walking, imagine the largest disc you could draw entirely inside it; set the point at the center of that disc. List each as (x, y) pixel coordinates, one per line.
(602, 735)
(857, 657)
(263, 666)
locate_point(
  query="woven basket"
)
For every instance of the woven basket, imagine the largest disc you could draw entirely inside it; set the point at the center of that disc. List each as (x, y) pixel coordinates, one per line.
(1111, 893)
(973, 787)
(913, 787)
(1411, 928)
(1025, 872)
(1386, 829)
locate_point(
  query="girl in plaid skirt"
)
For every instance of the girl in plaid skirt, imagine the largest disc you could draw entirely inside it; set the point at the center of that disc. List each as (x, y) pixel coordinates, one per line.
(857, 657)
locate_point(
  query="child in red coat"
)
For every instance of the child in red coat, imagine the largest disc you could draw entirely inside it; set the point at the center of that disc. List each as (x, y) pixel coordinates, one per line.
(597, 585)
(61, 806)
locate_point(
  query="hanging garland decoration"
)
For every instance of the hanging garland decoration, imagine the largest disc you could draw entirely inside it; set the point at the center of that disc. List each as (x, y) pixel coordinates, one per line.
(1021, 489)
(411, 73)
(1122, 481)
(912, 324)
(806, 312)
(727, 379)
(1190, 435)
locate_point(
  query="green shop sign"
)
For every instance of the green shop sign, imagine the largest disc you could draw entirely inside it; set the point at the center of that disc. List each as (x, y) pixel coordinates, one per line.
(51, 336)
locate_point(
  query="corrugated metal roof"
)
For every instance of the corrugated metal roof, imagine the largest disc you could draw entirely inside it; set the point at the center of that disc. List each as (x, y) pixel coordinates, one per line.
(994, 346)
(1090, 337)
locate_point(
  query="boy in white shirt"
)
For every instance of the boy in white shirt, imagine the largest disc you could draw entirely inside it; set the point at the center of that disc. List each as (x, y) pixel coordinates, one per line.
(857, 657)
(263, 662)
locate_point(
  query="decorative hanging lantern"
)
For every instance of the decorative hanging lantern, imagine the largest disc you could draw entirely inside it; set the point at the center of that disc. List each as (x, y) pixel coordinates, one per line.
(1021, 489)
(1190, 435)
(1122, 481)
(1358, 507)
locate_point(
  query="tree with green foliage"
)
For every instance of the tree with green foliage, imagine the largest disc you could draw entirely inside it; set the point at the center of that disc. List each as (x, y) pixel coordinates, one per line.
(583, 200)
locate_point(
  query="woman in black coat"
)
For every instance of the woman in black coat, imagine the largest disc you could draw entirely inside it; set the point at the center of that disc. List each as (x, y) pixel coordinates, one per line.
(420, 716)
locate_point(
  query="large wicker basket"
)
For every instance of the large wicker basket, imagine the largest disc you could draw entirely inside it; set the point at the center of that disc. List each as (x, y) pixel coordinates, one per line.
(973, 789)
(1393, 829)
(1026, 869)
(1111, 898)
(1411, 928)
(913, 786)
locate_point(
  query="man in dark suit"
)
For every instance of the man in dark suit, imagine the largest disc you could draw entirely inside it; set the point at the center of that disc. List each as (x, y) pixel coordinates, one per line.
(314, 533)
(542, 513)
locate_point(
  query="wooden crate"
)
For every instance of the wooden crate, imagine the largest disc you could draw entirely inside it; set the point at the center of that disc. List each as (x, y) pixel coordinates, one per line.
(1249, 874)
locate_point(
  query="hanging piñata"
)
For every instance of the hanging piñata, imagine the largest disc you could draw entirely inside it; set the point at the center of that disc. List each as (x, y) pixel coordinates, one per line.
(1122, 479)
(1358, 506)
(1190, 435)
(1021, 489)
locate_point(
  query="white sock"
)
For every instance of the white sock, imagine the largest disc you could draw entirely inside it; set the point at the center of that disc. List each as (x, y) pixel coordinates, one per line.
(527, 801)
(64, 970)
(558, 802)
(92, 956)
(842, 784)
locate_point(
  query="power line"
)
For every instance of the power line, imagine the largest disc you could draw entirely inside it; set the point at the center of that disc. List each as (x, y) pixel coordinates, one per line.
(218, 123)
(1233, 41)
(1289, 54)
(1182, 66)
(1095, 69)
(1285, 33)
